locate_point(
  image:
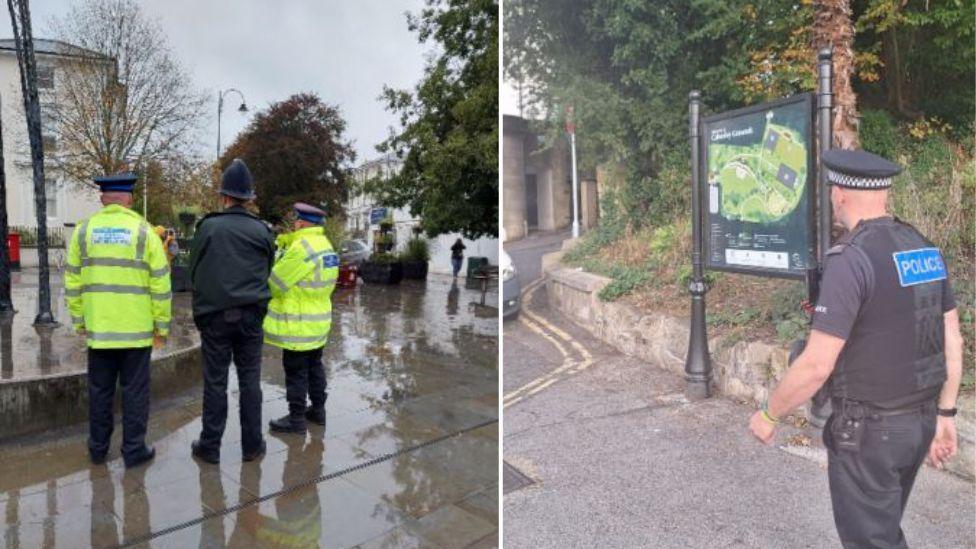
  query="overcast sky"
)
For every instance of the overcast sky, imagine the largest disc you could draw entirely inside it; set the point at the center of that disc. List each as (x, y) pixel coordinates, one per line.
(345, 51)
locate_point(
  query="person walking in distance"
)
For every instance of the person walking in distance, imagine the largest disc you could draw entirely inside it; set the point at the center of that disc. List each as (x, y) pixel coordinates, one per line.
(886, 333)
(457, 256)
(230, 259)
(300, 316)
(117, 288)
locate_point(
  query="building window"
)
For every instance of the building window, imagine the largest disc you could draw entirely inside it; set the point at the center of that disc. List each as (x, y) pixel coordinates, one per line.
(45, 77)
(51, 188)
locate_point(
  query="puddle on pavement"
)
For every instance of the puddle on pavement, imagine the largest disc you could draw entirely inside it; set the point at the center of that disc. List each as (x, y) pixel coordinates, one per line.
(406, 365)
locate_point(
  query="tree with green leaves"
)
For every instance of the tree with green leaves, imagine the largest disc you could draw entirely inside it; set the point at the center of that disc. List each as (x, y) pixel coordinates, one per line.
(448, 135)
(296, 151)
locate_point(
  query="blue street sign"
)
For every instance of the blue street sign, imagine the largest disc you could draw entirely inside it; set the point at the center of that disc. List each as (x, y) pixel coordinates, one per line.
(376, 214)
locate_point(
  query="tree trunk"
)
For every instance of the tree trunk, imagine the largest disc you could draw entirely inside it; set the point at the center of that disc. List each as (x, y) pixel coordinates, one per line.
(832, 27)
(24, 43)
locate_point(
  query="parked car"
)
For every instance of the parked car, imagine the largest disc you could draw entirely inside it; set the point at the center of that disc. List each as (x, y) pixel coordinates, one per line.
(511, 289)
(354, 252)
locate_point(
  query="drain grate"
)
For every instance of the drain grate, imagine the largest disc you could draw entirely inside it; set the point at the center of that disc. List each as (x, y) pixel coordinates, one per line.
(513, 479)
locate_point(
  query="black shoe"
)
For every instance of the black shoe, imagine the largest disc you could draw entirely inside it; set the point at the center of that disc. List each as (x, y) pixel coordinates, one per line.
(287, 425)
(199, 452)
(97, 459)
(315, 415)
(148, 454)
(257, 454)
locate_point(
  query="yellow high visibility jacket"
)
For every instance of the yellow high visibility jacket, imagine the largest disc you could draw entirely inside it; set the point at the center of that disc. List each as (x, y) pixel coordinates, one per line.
(116, 280)
(302, 280)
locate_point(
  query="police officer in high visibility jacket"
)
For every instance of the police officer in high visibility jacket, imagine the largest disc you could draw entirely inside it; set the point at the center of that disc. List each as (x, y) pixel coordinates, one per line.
(300, 316)
(886, 332)
(117, 287)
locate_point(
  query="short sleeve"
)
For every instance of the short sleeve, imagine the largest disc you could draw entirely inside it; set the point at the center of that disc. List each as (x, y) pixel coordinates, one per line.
(845, 286)
(948, 298)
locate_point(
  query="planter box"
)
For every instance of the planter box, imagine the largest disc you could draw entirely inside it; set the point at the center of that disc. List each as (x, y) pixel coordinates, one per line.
(415, 270)
(381, 273)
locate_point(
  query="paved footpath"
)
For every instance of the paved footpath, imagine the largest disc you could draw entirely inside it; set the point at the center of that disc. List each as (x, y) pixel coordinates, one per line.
(409, 457)
(618, 458)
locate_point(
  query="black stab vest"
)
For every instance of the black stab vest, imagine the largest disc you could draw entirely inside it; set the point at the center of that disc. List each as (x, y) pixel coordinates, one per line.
(895, 354)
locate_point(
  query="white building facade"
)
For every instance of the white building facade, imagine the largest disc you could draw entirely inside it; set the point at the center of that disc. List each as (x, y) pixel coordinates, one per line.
(363, 213)
(68, 202)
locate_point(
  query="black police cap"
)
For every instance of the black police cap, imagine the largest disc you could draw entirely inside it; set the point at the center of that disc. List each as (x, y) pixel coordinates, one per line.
(858, 169)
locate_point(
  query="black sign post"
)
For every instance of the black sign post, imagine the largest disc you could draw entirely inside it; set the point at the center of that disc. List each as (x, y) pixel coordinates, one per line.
(698, 364)
(763, 205)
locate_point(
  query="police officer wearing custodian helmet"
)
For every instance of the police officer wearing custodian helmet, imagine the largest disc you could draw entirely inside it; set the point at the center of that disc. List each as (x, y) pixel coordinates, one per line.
(230, 260)
(118, 291)
(886, 332)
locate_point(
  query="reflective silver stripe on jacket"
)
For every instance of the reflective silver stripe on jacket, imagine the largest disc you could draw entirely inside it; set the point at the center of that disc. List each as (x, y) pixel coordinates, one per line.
(114, 262)
(295, 339)
(69, 292)
(119, 336)
(279, 282)
(83, 240)
(309, 251)
(72, 269)
(317, 284)
(115, 289)
(141, 242)
(77, 319)
(159, 272)
(300, 317)
(161, 325)
(161, 297)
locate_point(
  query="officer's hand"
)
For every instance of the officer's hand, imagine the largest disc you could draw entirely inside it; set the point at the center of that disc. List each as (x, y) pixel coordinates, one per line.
(762, 429)
(944, 444)
(159, 341)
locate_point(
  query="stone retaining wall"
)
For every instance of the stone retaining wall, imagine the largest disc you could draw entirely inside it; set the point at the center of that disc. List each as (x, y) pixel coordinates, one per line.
(744, 370)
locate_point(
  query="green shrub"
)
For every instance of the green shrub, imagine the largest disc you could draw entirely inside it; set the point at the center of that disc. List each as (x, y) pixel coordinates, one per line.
(384, 257)
(878, 133)
(418, 249)
(335, 231)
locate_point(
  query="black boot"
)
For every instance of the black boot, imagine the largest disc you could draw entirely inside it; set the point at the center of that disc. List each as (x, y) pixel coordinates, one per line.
(288, 424)
(197, 450)
(316, 415)
(147, 455)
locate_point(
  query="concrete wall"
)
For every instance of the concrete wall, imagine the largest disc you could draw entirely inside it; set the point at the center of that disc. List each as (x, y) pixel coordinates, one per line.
(589, 204)
(745, 370)
(513, 185)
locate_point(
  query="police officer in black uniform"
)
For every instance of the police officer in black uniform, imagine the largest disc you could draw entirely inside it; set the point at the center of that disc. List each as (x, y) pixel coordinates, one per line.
(230, 260)
(886, 333)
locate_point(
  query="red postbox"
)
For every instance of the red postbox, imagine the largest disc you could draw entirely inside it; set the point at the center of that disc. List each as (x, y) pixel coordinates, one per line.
(348, 276)
(13, 247)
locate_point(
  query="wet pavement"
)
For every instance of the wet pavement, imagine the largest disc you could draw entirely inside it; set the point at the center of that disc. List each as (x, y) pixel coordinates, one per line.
(408, 458)
(29, 353)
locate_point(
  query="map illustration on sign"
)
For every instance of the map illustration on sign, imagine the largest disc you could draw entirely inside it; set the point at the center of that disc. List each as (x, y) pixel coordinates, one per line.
(758, 187)
(761, 182)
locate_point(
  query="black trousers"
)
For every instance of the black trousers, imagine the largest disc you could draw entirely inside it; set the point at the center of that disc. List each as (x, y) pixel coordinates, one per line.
(304, 378)
(231, 335)
(869, 488)
(130, 369)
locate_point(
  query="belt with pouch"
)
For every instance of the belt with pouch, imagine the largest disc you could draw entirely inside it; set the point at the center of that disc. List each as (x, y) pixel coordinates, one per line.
(871, 411)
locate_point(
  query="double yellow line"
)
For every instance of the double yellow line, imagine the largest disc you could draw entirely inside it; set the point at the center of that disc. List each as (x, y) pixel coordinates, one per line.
(576, 357)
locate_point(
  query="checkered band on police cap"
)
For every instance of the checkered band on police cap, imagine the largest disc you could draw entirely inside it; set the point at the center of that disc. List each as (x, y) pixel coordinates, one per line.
(854, 182)
(858, 169)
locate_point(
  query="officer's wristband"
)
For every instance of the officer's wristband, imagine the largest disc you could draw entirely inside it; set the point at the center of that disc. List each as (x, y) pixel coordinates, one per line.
(946, 412)
(768, 417)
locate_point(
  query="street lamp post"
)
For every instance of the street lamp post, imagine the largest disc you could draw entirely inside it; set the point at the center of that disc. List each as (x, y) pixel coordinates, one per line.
(571, 129)
(220, 109)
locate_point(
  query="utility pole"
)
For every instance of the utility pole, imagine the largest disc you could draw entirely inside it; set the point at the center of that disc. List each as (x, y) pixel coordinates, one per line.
(698, 362)
(571, 129)
(6, 303)
(220, 109)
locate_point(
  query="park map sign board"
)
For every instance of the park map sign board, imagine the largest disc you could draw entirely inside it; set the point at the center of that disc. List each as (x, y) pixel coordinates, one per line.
(758, 188)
